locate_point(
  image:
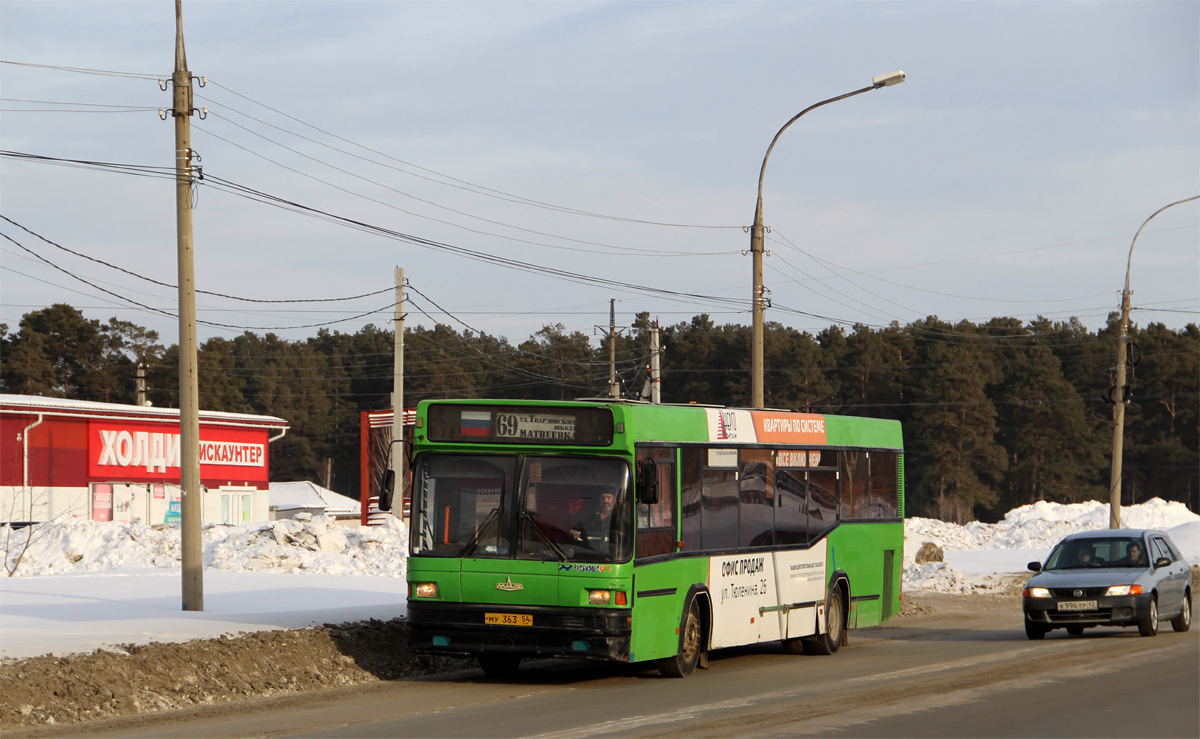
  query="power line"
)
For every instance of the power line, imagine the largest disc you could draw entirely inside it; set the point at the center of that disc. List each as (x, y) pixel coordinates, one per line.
(632, 250)
(173, 287)
(848, 272)
(85, 70)
(465, 185)
(250, 193)
(173, 315)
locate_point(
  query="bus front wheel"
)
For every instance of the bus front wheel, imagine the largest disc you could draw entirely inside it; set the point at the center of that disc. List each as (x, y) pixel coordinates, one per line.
(835, 622)
(691, 642)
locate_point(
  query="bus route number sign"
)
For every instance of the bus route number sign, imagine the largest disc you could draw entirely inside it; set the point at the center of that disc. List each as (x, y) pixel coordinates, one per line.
(535, 426)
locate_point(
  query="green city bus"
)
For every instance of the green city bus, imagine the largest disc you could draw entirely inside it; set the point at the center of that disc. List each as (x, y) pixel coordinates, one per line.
(631, 532)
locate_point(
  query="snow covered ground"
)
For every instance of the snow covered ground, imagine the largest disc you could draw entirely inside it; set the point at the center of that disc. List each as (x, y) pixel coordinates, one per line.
(975, 552)
(92, 585)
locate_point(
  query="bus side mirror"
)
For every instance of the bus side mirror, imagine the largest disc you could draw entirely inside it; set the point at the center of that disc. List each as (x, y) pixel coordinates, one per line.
(647, 482)
(385, 492)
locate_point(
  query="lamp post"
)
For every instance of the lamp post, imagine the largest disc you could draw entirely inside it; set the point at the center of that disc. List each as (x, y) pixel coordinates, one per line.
(758, 302)
(1117, 394)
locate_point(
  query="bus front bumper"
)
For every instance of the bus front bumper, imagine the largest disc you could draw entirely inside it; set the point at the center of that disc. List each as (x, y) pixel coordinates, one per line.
(460, 628)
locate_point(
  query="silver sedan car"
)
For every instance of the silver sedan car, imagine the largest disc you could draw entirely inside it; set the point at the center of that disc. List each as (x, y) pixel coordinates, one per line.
(1112, 577)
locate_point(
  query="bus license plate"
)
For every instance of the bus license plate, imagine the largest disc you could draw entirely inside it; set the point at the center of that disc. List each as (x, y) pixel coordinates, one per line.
(508, 619)
(1077, 605)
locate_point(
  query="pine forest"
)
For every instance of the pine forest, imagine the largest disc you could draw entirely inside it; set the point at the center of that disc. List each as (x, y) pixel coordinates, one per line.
(995, 414)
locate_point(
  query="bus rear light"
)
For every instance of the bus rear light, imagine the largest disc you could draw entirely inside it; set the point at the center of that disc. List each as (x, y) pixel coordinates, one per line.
(424, 589)
(621, 598)
(599, 597)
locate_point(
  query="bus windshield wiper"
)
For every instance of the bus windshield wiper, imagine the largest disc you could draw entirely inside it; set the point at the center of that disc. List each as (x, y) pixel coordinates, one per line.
(542, 535)
(474, 541)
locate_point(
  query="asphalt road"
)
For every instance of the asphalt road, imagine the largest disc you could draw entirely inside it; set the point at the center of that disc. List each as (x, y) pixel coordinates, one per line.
(964, 670)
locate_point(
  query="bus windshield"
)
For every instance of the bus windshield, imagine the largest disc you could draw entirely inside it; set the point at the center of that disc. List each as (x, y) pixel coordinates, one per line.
(523, 506)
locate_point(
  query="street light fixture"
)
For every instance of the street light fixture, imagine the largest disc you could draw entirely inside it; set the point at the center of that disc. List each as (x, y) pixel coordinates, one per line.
(758, 301)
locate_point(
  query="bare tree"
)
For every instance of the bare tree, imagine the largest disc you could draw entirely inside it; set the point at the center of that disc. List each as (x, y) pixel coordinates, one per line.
(17, 538)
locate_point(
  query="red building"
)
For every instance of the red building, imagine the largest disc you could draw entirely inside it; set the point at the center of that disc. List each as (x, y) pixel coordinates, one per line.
(104, 461)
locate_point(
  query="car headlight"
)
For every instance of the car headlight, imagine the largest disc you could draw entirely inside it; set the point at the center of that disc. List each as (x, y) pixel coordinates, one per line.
(599, 597)
(1124, 590)
(425, 590)
(1036, 592)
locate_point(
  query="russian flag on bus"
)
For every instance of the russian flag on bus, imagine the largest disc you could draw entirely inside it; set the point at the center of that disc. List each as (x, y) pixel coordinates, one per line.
(475, 423)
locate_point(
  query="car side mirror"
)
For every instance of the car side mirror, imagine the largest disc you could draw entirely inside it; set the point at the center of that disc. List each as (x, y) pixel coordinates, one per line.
(1034, 566)
(1161, 562)
(647, 482)
(386, 490)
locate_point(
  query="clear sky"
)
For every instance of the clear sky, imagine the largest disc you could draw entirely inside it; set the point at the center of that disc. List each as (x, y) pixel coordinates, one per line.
(613, 141)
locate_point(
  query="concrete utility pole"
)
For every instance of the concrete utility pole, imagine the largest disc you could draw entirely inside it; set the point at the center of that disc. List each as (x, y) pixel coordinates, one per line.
(396, 458)
(614, 387)
(1117, 394)
(758, 296)
(189, 386)
(614, 391)
(655, 364)
(141, 382)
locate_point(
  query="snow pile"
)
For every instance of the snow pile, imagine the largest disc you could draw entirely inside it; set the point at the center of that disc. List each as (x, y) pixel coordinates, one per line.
(942, 578)
(1043, 524)
(976, 552)
(313, 545)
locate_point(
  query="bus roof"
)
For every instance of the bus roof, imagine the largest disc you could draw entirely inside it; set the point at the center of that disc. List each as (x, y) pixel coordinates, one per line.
(694, 423)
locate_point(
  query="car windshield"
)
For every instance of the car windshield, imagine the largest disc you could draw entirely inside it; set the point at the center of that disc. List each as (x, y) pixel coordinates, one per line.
(1098, 552)
(524, 506)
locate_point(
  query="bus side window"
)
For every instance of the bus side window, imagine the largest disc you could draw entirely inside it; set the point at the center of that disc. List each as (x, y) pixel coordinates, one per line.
(756, 493)
(856, 500)
(719, 515)
(656, 523)
(884, 496)
(822, 502)
(791, 515)
(692, 474)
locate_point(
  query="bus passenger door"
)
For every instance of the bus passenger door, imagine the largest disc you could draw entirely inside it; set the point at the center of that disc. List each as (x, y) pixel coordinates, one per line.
(660, 582)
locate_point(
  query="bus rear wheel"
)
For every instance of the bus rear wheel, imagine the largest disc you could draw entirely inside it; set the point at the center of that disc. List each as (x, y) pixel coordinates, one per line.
(835, 621)
(691, 642)
(499, 666)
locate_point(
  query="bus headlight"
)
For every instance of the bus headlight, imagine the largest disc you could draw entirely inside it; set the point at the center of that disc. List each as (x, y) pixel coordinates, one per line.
(599, 597)
(425, 590)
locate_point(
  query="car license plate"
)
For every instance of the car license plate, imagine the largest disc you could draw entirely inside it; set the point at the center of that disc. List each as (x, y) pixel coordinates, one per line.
(1077, 605)
(508, 619)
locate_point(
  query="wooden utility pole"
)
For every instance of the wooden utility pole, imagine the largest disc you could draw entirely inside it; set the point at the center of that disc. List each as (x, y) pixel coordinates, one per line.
(189, 386)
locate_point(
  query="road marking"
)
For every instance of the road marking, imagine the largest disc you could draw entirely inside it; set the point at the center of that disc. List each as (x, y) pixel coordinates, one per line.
(965, 662)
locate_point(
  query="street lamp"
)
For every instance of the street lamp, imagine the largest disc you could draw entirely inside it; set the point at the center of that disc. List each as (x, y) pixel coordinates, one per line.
(758, 301)
(1117, 394)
